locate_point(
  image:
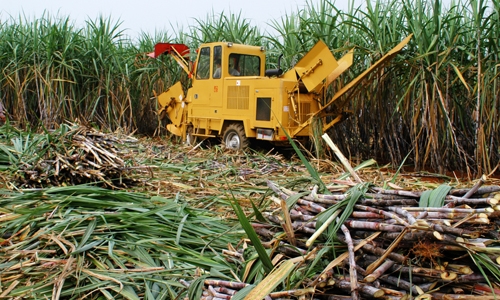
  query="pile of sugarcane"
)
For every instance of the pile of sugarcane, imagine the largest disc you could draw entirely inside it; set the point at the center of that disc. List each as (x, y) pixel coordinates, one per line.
(72, 155)
(401, 242)
(391, 244)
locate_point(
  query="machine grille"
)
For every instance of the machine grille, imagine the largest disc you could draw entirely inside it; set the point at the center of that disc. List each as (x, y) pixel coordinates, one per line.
(305, 111)
(238, 97)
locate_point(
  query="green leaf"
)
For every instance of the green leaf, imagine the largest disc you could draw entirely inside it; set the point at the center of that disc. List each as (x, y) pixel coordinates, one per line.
(196, 288)
(362, 165)
(88, 232)
(434, 198)
(179, 230)
(438, 196)
(257, 213)
(424, 199)
(347, 205)
(241, 294)
(88, 246)
(354, 194)
(252, 235)
(482, 260)
(312, 171)
(292, 200)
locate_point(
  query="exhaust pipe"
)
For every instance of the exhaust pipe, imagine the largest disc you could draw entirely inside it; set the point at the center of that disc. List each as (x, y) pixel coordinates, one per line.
(275, 72)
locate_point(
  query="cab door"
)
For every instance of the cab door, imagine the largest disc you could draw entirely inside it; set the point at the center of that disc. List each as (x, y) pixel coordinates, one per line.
(206, 92)
(217, 86)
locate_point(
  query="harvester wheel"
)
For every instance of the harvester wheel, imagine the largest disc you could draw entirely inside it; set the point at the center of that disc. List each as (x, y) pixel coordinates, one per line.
(234, 137)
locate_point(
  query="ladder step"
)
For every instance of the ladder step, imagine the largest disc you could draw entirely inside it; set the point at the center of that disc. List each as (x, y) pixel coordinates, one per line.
(202, 135)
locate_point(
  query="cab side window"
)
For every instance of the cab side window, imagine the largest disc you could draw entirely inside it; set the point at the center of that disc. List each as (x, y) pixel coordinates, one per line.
(244, 65)
(203, 67)
(234, 68)
(217, 62)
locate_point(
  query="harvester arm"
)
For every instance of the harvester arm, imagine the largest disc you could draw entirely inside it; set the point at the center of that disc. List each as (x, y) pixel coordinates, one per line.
(179, 52)
(172, 100)
(376, 66)
(379, 64)
(172, 104)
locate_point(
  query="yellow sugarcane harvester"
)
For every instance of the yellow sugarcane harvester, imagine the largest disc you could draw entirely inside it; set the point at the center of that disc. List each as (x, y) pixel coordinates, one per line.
(233, 97)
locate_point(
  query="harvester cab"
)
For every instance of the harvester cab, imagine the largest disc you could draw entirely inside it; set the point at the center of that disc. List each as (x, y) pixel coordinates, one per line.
(234, 98)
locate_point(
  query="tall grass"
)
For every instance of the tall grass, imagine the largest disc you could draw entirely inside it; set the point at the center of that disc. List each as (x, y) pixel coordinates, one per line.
(438, 100)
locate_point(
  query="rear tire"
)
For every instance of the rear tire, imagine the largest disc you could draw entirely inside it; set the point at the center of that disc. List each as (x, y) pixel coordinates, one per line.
(234, 137)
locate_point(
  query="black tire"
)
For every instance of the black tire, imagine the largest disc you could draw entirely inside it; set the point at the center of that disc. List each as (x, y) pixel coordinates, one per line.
(234, 137)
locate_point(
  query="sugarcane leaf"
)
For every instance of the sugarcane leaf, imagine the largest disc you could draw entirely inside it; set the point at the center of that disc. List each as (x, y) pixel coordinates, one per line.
(241, 294)
(8, 152)
(437, 197)
(312, 171)
(292, 200)
(361, 166)
(268, 284)
(147, 292)
(253, 271)
(434, 198)
(325, 215)
(424, 199)
(353, 195)
(252, 235)
(214, 272)
(319, 257)
(107, 294)
(88, 232)
(482, 260)
(196, 287)
(459, 74)
(127, 292)
(179, 229)
(346, 205)
(87, 246)
(396, 174)
(111, 244)
(258, 214)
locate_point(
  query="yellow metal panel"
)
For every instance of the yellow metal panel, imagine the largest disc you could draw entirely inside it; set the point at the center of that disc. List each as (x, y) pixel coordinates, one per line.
(344, 63)
(171, 101)
(316, 65)
(174, 93)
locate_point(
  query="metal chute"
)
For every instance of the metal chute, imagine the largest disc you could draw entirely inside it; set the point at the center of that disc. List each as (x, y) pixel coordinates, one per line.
(315, 66)
(376, 66)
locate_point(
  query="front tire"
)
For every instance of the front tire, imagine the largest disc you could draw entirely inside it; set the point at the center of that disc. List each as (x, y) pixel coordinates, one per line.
(234, 137)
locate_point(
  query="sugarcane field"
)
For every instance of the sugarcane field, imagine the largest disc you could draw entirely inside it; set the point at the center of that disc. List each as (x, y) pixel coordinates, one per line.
(349, 154)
